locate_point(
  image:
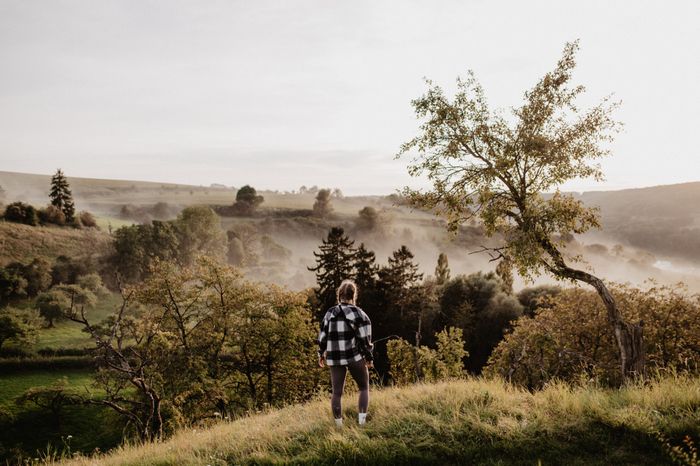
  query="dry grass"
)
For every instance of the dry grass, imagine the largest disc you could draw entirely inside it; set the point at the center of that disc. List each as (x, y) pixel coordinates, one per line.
(459, 422)
(23, 242)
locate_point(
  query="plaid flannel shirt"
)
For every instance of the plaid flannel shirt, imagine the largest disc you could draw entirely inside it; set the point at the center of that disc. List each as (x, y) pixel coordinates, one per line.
(345, 336)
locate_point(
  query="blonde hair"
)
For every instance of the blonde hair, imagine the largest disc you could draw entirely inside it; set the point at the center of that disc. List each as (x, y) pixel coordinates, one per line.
(347, 292)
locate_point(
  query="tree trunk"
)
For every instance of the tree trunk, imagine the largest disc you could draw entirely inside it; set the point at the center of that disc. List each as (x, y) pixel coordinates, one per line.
(629, 336)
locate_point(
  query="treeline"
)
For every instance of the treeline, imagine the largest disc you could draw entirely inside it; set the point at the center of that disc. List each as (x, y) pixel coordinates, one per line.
(542, 333)
(198, 343)
(402, 304)
(51, 287)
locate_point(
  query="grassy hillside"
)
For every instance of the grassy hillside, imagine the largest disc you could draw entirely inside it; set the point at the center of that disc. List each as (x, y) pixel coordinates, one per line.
(461, 422)
(23, 242)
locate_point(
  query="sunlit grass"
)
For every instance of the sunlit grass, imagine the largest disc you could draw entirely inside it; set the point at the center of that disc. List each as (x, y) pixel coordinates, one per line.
(469, 422)
(68, 334)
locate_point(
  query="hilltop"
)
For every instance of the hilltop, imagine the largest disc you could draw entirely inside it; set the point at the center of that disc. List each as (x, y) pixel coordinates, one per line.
(473, 421)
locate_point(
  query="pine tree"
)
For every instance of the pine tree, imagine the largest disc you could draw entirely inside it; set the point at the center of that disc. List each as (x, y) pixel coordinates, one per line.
(334, 263)
(402, 273)
(366, 277)
(61, 196)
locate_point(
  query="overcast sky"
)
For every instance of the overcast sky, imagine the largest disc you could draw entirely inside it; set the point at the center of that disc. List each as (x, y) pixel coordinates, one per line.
(283, 93)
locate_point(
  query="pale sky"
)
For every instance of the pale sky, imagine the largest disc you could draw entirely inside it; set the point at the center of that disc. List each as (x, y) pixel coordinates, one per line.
(283, 93)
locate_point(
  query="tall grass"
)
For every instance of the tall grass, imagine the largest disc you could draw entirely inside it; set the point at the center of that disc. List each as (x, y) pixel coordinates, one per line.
(475, 421)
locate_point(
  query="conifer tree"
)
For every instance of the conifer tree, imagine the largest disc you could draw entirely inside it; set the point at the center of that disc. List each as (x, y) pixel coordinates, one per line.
(442, 270)
(366, 277)
(61, 195)
(401, 274)
(334, 263)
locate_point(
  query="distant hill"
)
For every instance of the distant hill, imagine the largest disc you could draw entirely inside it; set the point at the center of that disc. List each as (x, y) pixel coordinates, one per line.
(470, 421)
(658, 226)
(664, 220)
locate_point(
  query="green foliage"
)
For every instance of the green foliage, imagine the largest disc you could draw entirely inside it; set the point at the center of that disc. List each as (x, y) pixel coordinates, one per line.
(203, 340)
(52, 305)
(92, 282)
(411, 364)
(67, 270)
(19, 212)
(53, 398)
(480, 305)
(199, 232)
(61, 196)
(37, 275)
(570, 339)
(484, 164)
(138, 247)
(12, 285)
(532, 298)
(18, 326)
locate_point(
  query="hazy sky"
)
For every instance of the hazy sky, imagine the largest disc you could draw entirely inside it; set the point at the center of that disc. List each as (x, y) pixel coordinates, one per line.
(284, 93)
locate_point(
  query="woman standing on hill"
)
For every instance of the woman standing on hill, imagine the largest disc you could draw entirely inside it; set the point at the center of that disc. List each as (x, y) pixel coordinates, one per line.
(345, 342)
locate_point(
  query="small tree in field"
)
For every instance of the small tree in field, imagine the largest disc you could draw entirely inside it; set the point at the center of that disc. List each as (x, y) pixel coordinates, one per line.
(482, 164)
(61, 196)
(322, 206)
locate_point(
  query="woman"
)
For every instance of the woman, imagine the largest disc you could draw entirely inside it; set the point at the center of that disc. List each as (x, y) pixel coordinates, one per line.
(345, 343)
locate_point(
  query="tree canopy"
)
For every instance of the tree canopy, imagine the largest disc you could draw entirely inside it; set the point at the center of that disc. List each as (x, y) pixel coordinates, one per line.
(495, 167)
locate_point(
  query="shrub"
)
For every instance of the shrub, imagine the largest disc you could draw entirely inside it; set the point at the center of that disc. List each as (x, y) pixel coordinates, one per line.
(52, 215)
(19, 212)
(570, 337)
(87, 219)
(411, 364)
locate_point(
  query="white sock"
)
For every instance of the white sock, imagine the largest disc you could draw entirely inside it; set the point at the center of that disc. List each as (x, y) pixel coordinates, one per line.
(339, 422)
(361, 418)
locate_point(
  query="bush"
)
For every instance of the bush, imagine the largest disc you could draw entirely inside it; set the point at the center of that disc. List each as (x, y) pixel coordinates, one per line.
(52, 215)
(87, 219)
(19, 212)
(571, 339)
(11, 365)
(410, 364)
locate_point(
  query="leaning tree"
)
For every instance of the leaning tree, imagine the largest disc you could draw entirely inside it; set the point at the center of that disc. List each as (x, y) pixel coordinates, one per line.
(495, 166)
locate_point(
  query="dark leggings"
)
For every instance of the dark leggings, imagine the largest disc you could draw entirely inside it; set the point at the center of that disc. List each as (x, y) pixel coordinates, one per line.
(359, 372)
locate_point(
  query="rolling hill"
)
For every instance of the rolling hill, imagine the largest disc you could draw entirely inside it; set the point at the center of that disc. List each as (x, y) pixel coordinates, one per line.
(473, 421)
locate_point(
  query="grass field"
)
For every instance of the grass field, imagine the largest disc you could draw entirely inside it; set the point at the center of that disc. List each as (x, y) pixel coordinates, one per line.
(460, 422)
(36, 430)
(68, 334)
(13, 385)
